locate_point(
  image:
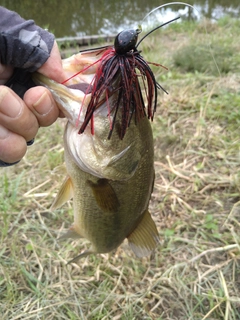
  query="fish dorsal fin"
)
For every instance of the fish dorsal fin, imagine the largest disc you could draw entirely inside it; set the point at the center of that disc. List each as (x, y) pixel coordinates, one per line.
(105, 195)
(144, 239)
(64, 194)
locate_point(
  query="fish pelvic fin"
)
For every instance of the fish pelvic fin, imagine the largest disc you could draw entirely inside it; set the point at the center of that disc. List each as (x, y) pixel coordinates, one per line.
(71, 233)
(81, 255)
(64, 194)
(105, 195)
(144, 239)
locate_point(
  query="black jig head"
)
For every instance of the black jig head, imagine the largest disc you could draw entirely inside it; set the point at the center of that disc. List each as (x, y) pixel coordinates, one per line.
(126, 41)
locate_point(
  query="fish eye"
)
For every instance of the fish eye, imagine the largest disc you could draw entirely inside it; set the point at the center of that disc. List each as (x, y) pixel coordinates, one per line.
(126, 41)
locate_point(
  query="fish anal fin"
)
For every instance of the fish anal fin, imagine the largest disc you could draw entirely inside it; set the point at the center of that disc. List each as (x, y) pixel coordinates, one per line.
(105, 195)
(80, 256)
(64, 194)
(144, 239)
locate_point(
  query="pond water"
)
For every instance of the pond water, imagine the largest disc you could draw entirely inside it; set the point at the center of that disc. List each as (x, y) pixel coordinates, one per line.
(90, 17)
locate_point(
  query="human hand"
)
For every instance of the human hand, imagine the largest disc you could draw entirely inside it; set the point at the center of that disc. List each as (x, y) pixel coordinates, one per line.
(20, 119)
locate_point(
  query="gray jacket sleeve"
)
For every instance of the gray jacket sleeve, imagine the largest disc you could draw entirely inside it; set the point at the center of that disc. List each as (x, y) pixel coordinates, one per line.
(22, 43)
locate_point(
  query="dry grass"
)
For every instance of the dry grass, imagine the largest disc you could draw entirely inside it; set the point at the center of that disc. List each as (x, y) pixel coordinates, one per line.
(194, 274)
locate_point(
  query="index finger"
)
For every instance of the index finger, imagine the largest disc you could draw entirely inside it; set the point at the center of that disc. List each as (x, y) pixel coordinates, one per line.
(52, 68)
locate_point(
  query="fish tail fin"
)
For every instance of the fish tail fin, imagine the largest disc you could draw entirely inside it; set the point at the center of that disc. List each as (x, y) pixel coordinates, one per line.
(144, 239)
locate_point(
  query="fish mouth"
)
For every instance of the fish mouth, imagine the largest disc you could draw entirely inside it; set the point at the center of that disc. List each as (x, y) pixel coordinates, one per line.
(95, 76)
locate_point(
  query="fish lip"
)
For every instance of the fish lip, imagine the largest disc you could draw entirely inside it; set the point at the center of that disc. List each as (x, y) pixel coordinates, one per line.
(82, 86)
(72, 148)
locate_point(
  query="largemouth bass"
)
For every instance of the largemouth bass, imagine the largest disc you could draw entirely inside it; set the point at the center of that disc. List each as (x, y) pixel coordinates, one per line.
(109, 176)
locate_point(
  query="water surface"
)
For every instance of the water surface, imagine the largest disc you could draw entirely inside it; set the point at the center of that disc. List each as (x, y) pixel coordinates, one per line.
(90, 17)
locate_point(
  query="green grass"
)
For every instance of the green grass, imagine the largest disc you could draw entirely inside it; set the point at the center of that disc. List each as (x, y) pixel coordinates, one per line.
(194, 273)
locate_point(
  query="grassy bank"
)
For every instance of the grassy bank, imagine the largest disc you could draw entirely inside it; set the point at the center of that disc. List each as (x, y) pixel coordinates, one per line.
(195, 272)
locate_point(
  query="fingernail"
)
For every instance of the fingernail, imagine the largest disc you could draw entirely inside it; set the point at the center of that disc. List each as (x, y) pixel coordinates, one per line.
(3, 132)
(42, 106)
(30, 142)
(9, 105)
(6, 164)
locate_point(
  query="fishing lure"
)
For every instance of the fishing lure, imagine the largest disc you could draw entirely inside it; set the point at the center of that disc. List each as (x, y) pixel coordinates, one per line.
(121, 68)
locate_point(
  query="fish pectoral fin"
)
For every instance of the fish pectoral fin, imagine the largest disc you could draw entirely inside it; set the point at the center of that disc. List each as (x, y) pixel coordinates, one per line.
(144, 239)
(105, 195)
(81, 255)
(64, 194)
